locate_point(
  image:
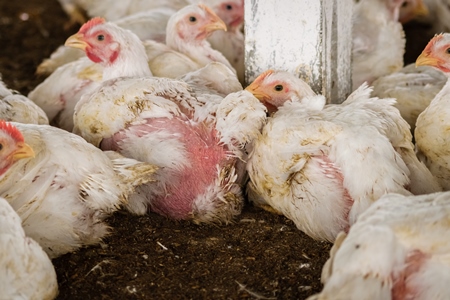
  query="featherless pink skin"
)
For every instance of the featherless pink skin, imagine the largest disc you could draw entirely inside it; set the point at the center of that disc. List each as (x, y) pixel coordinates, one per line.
(329, 169)
(204, 157)
(413, 263)
(12, 146)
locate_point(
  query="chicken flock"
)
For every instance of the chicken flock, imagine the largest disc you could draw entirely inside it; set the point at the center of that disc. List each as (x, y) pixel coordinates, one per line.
(143, 109)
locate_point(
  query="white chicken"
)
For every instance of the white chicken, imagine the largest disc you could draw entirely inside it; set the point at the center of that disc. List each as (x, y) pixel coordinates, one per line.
(321, 166)
(163, 121)
(378, 40)
(431, 134)
(61, 91)
(186, 47)
(71, 186)
(230, 42)
(397, 249)
(413, 88)
(18, 108)
(26, 272)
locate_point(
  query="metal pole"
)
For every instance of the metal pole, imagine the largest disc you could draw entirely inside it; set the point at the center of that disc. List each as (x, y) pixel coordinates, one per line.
(310, 38)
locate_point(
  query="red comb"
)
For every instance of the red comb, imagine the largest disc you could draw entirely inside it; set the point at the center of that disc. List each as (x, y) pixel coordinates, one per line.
(91, 23)
(432, 42)
(11, 130)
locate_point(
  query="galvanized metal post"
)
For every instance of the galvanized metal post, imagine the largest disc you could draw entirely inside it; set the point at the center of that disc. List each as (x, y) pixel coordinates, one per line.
(310, 38)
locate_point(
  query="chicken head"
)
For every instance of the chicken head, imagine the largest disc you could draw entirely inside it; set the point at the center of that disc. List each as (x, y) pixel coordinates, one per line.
(274, 88)
(410, 9)
(230, 11)
(12, 146)
(437, 53)
(194, 23)
(405, 10)
(97, 42)
(119, 51)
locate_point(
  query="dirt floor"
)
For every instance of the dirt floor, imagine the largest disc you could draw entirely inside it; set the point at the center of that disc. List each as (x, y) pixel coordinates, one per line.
(261, 256)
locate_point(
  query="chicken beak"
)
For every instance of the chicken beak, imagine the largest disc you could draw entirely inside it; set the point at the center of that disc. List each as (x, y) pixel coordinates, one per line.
(425, 59)
(421, 9)
(23, 151)
(254, 88)
(215, 23)
(76, 41)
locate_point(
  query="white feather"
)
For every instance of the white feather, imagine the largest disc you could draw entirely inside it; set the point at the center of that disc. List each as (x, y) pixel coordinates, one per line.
(26, 272)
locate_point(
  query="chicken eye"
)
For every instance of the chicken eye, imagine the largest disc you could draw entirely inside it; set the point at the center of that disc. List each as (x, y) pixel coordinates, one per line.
(278, 88)
(405, 4)
(192, 19)
(447, 50)
(1, 147)
(100, 37)
(229, 7)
